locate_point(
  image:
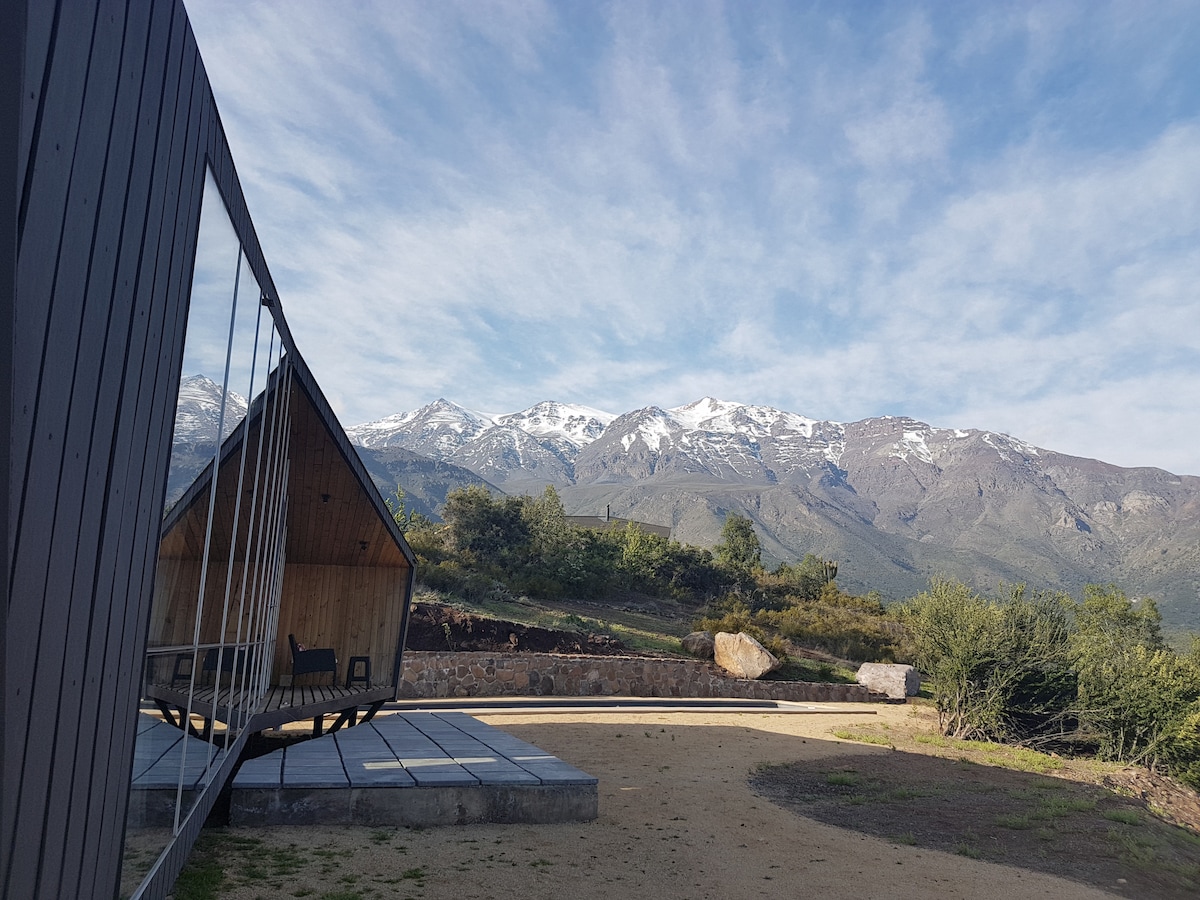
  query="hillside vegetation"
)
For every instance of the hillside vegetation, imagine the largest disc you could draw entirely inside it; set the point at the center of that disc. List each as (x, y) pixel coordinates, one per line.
(1036, 668)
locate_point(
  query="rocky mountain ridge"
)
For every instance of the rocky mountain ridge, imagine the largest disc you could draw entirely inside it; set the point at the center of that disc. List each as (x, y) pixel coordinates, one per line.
(897, 499)
(894, 499)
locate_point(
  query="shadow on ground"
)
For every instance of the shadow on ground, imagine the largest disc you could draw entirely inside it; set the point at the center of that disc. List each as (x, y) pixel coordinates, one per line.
(1049, 825)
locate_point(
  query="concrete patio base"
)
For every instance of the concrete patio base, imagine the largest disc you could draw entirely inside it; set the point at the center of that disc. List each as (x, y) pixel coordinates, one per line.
(160, 752)
(503, 804)
(419, 768)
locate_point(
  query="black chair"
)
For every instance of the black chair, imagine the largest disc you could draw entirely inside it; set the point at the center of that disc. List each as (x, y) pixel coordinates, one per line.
(232, 662)
(305, 662)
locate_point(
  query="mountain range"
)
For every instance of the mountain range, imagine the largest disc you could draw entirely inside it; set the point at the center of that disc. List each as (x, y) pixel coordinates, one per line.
(895, 501)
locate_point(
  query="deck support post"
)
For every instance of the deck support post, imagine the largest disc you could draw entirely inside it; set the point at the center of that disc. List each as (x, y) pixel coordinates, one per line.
(169, 716)
(374, 708)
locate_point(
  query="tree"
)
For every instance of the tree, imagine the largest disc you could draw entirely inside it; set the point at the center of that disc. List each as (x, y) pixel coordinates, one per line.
(547, 525)
(406, 519)
(562, 558)
(492, 531)
(991, 663)
(808, 578)
(739, 550)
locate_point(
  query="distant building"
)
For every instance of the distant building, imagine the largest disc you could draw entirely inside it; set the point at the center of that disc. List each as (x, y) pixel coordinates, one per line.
(608, 522)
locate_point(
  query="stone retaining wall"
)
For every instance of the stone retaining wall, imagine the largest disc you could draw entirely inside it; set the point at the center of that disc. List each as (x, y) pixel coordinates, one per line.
(427, 675)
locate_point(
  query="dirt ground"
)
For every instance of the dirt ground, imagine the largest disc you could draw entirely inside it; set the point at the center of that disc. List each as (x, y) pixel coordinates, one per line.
(692, 805)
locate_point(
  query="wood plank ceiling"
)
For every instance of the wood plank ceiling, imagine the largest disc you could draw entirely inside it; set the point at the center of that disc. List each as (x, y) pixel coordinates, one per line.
(330, 520)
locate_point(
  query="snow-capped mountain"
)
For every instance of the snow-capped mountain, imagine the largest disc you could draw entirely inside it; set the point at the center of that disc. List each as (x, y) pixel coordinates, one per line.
(898, 499)
(198, 412)
(563, 423)
(197, 416)
(563, 444)
(436, 430)
(727, 441)
(536, 445)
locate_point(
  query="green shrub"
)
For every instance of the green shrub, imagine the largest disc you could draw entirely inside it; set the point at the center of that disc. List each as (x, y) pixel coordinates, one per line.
(993, 665)
(1138, 699)
(844, 631)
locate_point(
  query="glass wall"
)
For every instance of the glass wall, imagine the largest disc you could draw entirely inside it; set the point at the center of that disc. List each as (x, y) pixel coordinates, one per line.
(220, 568)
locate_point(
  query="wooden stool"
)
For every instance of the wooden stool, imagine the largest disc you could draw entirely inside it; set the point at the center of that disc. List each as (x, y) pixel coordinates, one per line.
(352, 677)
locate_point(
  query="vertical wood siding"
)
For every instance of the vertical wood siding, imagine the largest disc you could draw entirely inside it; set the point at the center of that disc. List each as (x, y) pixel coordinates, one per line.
(357, 610)
(12, 71)
(108, 124)
(116, 114)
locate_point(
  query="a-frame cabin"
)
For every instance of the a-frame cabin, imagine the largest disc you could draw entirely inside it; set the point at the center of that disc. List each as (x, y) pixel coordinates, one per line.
(346, 575)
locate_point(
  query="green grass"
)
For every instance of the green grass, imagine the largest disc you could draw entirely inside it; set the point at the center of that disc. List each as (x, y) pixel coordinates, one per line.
(798, 668)
(843, 779)
(637, 631)
(201, 880)
(1060, 808)
(1019, 759)
(901, 794)
(1124, 816)
(864, 737)
(1015, 822)
(934, 740)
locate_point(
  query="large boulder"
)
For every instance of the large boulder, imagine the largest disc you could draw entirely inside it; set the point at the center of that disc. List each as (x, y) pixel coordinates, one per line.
(699, 643)
(743, 656)
(894, 681)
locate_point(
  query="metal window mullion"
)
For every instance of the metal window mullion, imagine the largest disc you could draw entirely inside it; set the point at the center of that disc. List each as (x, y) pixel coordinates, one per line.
(275, 584)
(266, 510)
(233, 535)
(235, 711)
(273, 588)
(273, 577)
(276, 489)
(271, 424)
(256, 518)
(270, 635)
(212, 502)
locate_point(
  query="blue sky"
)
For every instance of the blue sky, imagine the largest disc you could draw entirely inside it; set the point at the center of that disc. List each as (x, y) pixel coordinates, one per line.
(977, 215)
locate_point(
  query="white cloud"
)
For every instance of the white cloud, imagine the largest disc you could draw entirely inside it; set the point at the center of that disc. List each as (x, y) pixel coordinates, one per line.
(843, 213)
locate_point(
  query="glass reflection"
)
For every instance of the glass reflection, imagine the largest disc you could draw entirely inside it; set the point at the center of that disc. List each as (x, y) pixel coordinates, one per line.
(217, 578)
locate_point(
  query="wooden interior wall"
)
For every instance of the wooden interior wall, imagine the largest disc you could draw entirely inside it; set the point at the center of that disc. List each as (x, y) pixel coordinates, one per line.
(116, 116)
(176, 592)
(355, 581)
(357, 610)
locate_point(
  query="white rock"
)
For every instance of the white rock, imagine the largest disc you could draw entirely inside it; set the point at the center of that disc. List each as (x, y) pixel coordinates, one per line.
(894, 681)
(742, 655)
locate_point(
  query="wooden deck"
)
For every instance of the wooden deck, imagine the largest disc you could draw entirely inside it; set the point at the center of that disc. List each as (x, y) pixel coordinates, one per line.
(281, 705)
